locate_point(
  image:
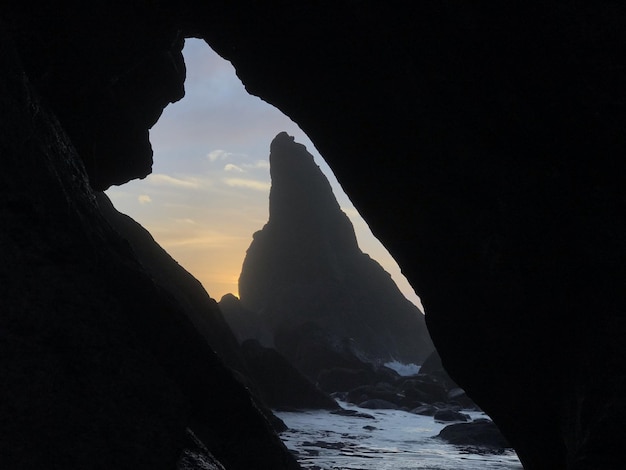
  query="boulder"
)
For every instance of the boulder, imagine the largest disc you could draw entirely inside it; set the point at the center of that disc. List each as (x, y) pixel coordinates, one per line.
(480, 434)
(352, 413)
(423, 388)
(425, 410)
(368, 392)
(447, 414)
(378, 404)
(458, 395)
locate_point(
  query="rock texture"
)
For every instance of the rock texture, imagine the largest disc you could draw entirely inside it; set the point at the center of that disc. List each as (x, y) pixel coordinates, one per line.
(480, 435)
(497, 131)
(494, 131)
(304, 270)
(100, 366)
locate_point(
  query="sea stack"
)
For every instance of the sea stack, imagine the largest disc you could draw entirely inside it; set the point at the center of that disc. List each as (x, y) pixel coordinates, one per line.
(306, 277)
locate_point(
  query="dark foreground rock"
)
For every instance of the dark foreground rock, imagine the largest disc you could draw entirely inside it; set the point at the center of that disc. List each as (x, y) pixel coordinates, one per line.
(202, 310)
(425, 410)
(101, 367)
(480, 434)
(450, 415)
(421, 393)
(483, 143)
(354, 413)
(196, 456)
(378, 404)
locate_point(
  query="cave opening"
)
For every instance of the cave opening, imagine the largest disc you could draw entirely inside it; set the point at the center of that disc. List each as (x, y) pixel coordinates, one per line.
(208, 191)
(494, 134)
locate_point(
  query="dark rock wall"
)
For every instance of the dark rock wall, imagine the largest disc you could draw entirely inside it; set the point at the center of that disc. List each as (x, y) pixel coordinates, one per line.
(189, 293)
(269, 378)
(75, 376)
(108, 68)
(100, 366)
(492, 140)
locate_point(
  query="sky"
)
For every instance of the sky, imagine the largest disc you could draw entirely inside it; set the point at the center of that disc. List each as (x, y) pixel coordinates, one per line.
(209, 188)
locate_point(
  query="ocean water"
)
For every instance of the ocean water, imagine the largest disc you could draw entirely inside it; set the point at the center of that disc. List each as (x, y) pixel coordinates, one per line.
(393, 440)
(403, 369)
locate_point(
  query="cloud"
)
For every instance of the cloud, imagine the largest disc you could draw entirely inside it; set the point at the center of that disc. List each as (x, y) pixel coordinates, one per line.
(258, 164)
(166, 180)
(218, 154)
(248, 184)
(208, 240)
(144, 199)
(231, 167)
(185, 221)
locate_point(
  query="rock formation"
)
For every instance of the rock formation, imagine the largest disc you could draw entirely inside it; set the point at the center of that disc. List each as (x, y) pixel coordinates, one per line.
(280, 385)
(304, 270)
(496, 128)
(244, 323)
(101, 368)
(481, 435)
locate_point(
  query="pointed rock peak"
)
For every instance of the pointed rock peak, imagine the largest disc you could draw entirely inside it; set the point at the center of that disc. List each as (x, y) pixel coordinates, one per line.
(299, 188)
(229, 298)
(305, 277)
(282, 139)
(288, 156)
(285, 146)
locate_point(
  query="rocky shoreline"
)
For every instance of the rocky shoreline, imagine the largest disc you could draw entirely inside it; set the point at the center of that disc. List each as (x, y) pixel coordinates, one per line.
(385, 439)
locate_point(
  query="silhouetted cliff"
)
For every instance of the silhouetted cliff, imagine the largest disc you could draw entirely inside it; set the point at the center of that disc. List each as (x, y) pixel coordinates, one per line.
(101, 367)
(201, 309)
(304, 269)
(272, 382)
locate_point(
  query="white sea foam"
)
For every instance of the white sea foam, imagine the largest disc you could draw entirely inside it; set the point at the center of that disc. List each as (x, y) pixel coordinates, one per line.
(403, 369)
(393, 439)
